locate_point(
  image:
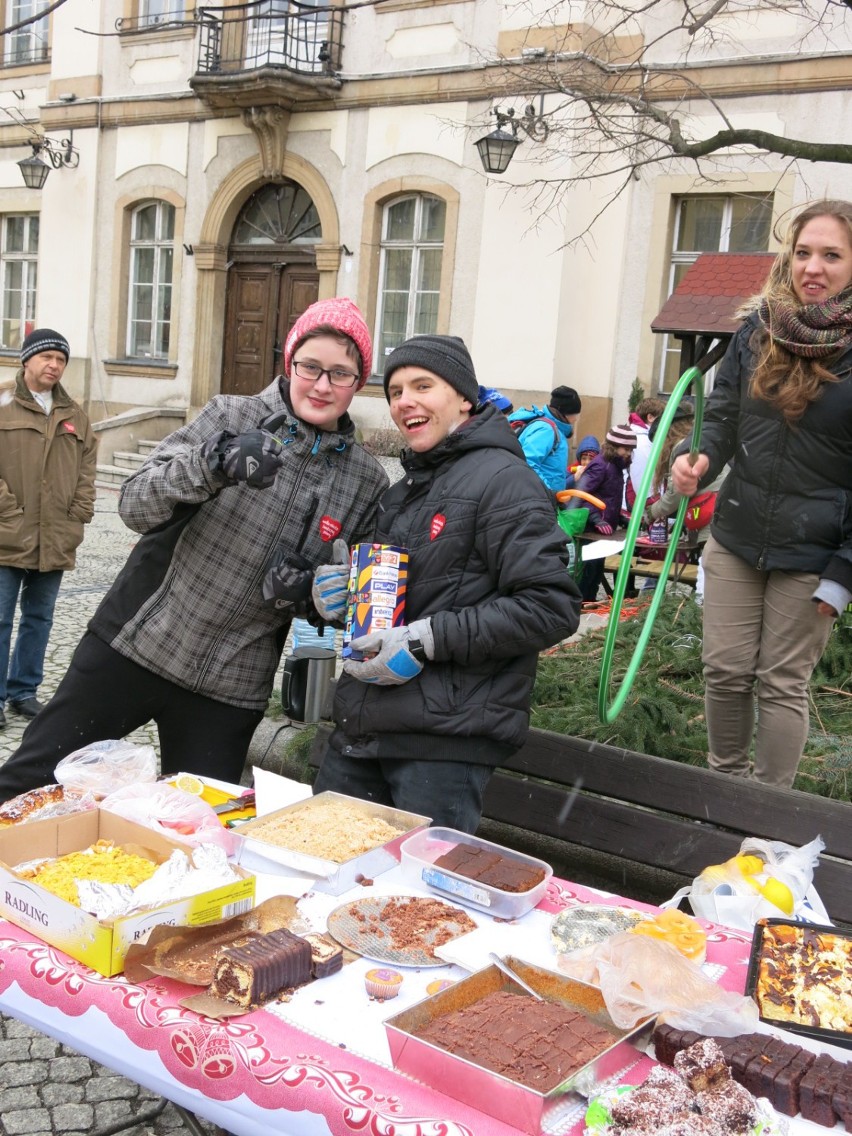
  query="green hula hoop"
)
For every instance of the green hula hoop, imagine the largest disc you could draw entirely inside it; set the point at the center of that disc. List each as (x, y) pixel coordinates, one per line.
(609, 712)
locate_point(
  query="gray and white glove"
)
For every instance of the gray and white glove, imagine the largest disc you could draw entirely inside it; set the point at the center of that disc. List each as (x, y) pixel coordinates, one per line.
(397, 654)
(254, 457)
(331, 584)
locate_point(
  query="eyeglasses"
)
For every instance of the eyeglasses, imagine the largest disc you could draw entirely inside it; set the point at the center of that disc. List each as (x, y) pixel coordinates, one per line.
(312, 373)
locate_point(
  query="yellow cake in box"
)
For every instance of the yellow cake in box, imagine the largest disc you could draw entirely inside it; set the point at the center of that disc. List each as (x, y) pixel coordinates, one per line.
(101, 944)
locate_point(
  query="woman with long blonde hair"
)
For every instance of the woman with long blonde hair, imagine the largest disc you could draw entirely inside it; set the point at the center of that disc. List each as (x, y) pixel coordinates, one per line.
(778, 563)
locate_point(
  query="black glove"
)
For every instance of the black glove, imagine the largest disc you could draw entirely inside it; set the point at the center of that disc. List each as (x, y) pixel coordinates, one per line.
(288, 582)
(254, 457)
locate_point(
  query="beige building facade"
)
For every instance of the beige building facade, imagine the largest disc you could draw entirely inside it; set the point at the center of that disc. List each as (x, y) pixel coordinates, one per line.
(213, 170)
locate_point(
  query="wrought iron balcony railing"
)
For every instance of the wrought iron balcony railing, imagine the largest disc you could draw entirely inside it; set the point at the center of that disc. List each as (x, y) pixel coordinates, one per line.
(303, 37)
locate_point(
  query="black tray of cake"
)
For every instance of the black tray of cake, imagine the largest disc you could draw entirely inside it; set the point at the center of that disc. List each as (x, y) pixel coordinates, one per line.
(800, 976)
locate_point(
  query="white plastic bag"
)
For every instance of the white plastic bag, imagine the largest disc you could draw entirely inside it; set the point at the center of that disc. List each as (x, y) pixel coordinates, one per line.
(640, 978)
(767, 879)
(172, 813)
(103, 767)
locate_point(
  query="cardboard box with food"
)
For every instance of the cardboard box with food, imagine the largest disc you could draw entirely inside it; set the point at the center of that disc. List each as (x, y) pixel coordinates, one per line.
(49, 866)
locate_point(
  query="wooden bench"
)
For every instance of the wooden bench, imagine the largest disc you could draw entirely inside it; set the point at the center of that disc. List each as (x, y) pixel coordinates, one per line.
(659, 812)
(678, 573)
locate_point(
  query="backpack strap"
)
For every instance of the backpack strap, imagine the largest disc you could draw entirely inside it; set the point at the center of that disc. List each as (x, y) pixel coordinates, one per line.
(519, 425)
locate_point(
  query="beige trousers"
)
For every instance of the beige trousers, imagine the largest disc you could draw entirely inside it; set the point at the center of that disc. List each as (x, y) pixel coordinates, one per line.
(763, 636)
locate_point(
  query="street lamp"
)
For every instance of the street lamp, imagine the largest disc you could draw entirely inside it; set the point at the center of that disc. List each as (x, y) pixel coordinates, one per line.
(34, 169)
(496, 149)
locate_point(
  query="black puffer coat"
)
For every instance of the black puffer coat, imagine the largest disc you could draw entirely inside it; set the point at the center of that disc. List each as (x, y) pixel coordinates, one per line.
(787, 503)
(489, 565)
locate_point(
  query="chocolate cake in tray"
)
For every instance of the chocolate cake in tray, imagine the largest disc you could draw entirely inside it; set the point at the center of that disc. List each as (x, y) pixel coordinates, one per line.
(800, 976)
(488, 1043)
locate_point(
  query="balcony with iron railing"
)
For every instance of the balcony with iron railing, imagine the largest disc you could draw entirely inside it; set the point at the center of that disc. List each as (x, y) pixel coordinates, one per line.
(286, 51)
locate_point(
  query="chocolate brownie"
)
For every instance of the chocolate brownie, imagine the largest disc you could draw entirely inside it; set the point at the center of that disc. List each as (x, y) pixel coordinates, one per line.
(490, 868)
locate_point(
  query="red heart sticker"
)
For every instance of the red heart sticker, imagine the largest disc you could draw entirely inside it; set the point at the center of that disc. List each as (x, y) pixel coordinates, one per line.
(329, 528)
(438, 522)
(69, 426)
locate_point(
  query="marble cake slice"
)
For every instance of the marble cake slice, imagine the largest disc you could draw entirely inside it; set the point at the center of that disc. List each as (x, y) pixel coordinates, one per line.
(262, 968)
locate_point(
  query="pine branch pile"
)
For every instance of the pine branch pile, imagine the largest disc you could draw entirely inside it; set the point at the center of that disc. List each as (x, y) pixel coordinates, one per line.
(664, 714)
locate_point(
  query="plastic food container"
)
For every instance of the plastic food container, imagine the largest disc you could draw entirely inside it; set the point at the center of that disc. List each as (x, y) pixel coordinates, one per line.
(334, 877)
(420, 851)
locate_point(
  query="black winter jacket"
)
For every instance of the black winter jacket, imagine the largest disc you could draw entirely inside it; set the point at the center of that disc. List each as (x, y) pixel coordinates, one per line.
(488, 563)
(787, 503)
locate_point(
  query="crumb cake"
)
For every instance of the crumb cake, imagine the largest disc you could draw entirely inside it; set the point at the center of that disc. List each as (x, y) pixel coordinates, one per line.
(331, 830)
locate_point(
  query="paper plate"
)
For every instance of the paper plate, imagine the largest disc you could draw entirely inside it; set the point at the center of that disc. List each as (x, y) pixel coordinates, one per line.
(361, 927)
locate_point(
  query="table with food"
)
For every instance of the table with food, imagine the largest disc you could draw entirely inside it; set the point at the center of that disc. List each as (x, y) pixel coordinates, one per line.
(329, 965)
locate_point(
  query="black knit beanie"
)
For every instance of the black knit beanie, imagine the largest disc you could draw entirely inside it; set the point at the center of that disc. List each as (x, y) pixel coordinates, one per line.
(444, 355)
(44, 339)
(565, 400)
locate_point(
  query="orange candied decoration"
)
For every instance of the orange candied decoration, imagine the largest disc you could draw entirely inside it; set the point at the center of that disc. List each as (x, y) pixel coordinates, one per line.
(679, 930)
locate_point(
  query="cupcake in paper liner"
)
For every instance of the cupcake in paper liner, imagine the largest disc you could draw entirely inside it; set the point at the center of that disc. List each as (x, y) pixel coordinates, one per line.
(439, 984)
(382, 983)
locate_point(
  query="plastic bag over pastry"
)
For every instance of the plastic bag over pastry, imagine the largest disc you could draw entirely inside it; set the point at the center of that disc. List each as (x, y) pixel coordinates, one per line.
(641, 977)
(103, 767)
(172, 813)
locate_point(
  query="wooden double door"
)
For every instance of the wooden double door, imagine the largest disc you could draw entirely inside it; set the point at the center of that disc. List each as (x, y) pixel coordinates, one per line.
(265, 298)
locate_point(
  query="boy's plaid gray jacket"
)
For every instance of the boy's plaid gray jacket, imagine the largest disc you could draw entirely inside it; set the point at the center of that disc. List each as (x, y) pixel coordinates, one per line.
(187, 605)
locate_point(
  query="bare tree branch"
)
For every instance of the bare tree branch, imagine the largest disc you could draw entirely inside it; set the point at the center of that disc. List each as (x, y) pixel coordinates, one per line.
(32, 19)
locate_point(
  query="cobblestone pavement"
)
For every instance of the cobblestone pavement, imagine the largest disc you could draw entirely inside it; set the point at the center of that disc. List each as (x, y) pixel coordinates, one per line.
(45, 1087)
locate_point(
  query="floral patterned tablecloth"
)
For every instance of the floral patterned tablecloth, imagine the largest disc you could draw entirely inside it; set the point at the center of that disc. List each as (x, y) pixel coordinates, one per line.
(242, 1072)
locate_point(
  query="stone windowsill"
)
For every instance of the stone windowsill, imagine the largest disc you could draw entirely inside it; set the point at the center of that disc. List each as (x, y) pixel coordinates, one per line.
(138, 368)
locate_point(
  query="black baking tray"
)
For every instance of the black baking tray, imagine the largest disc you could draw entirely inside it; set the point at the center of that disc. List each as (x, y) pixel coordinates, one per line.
(835, 1037)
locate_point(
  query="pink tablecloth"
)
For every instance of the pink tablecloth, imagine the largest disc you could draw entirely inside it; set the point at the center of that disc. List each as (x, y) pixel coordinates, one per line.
(262, 1061)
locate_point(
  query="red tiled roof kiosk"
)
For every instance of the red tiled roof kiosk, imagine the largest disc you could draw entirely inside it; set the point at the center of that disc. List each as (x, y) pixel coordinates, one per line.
(702, 306)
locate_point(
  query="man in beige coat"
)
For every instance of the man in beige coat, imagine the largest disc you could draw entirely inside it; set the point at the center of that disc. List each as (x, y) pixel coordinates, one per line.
(47, 495)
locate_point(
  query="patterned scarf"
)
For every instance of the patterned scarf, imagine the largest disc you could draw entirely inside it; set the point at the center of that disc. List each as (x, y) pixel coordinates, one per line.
(813, 331)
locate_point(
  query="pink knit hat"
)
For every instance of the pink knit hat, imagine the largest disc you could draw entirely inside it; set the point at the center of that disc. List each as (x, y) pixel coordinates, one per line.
(621, 436)
(341, 314)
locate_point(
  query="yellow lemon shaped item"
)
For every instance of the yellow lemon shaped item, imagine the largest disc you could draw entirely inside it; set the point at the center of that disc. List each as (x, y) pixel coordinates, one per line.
(749, 865)
(189, 783)
(777, 893)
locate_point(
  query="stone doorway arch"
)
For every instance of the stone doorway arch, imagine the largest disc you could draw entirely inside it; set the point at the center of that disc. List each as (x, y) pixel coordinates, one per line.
(212, 260)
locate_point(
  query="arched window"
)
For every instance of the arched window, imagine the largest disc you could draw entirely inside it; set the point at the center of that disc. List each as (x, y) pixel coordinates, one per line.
(412, 250)
(149, 313)
(278, 215)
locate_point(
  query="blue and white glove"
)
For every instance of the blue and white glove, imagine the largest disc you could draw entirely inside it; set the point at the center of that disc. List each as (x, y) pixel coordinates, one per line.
(394, 663)
(331, 584)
